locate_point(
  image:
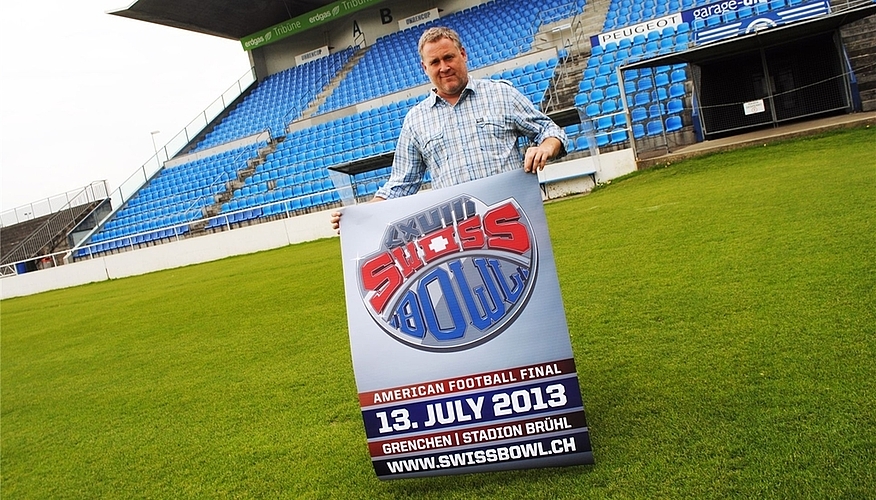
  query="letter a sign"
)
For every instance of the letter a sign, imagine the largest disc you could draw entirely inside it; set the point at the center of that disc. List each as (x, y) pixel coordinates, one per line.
(458, 334)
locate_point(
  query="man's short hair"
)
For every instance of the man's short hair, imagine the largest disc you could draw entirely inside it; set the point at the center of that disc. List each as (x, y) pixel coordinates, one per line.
(437, 33)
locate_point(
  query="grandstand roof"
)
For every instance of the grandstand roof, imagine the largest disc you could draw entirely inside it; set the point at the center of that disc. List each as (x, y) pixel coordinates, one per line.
(222, 18)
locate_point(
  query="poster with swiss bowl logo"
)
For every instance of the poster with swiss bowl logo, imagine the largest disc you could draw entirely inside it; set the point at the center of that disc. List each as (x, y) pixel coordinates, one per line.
(458, 334)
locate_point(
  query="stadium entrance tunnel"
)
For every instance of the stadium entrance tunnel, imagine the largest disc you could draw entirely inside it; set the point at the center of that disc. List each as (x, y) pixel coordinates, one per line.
(771, 76)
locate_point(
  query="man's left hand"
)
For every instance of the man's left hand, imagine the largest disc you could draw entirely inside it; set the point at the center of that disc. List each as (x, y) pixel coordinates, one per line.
(537, 156)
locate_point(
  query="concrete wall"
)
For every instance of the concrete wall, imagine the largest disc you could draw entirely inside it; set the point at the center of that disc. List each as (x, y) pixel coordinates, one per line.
(170, 255)
(564, 179)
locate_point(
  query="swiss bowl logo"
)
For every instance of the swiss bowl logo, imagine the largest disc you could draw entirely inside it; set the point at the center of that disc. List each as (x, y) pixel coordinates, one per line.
(452, 276)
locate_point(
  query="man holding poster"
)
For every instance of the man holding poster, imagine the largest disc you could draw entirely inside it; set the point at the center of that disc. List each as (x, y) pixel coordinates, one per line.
(467, 128)
(460, 347)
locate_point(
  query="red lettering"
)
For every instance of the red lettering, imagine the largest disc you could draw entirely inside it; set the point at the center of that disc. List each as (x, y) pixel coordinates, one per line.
(408, 259)
(382, 277)
(470, 234)
(504, 231)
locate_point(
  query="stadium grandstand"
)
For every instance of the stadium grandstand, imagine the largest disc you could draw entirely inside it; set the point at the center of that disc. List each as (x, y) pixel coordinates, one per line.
(314, 125)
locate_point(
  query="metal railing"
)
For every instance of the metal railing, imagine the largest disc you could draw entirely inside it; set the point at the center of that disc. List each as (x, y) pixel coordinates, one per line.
(142, 175)
(296, 110)
(64, 219)
(176, 232)
(97, 190)
(572, 45)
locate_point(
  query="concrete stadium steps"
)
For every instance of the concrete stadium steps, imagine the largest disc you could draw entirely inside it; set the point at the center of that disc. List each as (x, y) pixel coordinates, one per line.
(568, 74)
(315, 104)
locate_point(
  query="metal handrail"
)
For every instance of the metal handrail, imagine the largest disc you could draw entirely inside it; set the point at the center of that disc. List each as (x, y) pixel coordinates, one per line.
(294, 112)
(223, 176)
(575, 26)
(44, 207)
(130, 239)
(148, 170)
(63, 218)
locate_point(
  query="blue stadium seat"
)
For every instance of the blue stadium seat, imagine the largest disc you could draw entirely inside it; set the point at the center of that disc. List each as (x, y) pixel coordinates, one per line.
(654, 127)
(620, 120)
(644, 83)
(673, 123)
(655, 111)
(674, 106)
(612, 92)
(618, 136)
(641, 99)
(659, 94)
(639, 114)
(661, 79)
(638, 130)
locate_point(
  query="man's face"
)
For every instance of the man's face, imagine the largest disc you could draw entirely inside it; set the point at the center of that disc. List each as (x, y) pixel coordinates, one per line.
(445, 64)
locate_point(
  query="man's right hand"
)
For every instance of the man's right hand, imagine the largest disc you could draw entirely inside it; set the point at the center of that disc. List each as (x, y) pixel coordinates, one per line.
(336, 221)
(336, 216)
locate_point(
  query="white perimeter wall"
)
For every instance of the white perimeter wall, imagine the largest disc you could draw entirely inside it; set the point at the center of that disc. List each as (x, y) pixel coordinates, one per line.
(174, 254)
(266, 236)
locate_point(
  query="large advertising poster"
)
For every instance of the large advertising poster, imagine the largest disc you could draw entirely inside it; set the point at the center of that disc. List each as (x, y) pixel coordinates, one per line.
(459, 341)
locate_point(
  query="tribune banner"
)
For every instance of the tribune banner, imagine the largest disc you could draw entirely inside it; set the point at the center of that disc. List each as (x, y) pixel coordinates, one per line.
(459, 340)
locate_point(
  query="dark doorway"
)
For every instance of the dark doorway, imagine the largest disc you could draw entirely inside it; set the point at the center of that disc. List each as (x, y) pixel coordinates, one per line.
(792, 80)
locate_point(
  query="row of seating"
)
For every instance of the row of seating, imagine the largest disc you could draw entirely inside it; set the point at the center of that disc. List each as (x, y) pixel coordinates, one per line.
(176, 195)
(492, 32)
(654, 98)
(744, 12)
(278, 100)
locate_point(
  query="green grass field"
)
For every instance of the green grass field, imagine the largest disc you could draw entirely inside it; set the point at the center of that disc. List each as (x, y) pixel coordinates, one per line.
(722, 313)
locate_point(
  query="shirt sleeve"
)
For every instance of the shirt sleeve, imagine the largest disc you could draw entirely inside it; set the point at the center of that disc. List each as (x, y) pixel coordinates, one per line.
(534, 124)
(408, 167)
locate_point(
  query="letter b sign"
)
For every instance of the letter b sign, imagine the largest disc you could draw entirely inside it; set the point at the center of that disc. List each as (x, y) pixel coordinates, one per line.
(385, 16)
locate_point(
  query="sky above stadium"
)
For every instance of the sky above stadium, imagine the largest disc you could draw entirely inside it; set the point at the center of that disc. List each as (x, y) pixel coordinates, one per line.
(83, 90)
